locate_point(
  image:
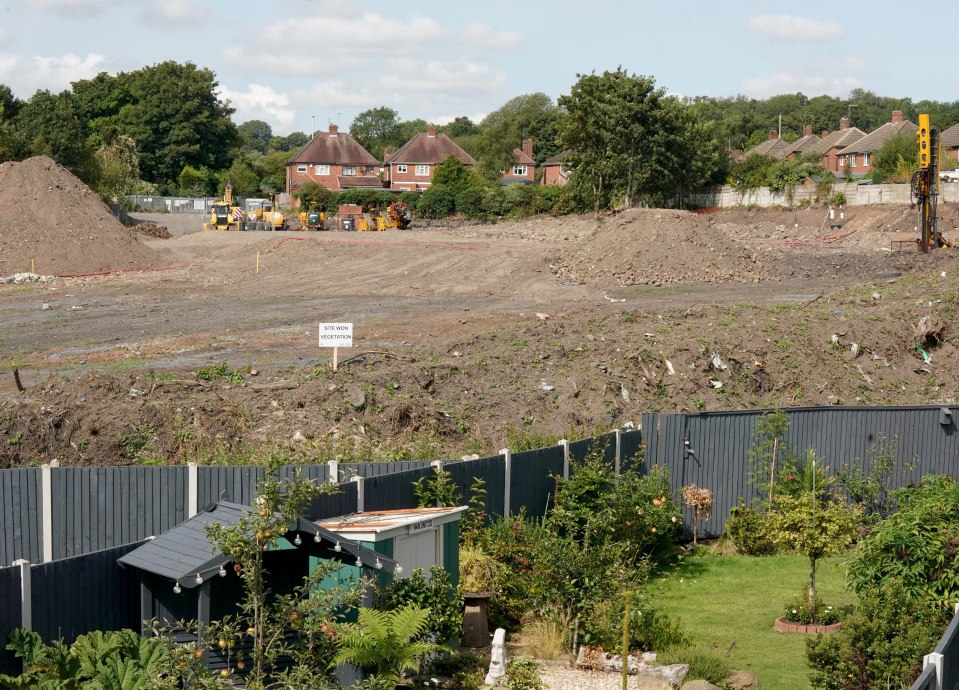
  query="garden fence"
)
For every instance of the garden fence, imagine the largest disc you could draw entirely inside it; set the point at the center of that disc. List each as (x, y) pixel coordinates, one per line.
(940, 669)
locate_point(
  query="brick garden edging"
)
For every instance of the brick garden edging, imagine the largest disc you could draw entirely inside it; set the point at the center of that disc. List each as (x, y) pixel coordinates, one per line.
(788, 626)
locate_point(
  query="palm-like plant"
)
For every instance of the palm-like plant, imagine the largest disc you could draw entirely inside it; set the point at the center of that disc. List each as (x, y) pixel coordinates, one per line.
(383, 641)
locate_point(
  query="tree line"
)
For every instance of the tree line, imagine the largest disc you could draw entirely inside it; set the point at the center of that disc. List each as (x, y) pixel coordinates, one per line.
(164, 129)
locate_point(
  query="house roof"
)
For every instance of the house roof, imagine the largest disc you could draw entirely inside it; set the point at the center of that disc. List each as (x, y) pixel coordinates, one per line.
(558, 159)
(802, 145)
(333, 148)
(841, 138)
(776, 148)
(521, 158)
(430, 148)
(950, 138)
(875, 139)
(183, 552)
(384, 523)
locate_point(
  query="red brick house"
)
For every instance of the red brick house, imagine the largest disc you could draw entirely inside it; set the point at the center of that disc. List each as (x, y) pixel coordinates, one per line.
(949, 142)
(412, 167)
(523, 169)
(831, 143)
(555, 171)
(333, 160)
(802, 145)
(773, 147)
(857, 155)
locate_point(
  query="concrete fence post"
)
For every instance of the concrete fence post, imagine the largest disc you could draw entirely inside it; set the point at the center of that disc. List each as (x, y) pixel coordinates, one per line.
(617, 463)
(935, 659)
(508, 464)
(46, 512)
(192, 489)
(360, 497)
(26, 594)
(333, 468)
(564, 444)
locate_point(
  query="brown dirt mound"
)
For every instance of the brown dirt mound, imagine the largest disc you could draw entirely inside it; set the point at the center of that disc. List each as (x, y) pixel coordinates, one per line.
(50, 217)
(657, 247)
(156, 230)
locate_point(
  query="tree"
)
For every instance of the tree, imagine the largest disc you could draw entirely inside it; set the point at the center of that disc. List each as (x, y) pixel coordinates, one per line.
(255, 135)
(245, 180)
(452, 174)
(119, 166)
(897, 159)
(813, 523)
(291, 142)
(377, 129)
(461, 126)
(49, 125)
(619, 132)
(197, 181)
(531, 116)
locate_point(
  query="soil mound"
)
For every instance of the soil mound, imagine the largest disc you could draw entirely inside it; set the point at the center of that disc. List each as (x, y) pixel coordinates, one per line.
(51, 218)
(657, 247)
(155, 230)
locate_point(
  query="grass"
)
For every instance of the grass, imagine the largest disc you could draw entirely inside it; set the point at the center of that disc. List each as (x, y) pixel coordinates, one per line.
(732, 601)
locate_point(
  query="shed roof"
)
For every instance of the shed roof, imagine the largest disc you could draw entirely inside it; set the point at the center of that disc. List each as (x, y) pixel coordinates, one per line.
(183, 552)
(359, 182)
(369, 525)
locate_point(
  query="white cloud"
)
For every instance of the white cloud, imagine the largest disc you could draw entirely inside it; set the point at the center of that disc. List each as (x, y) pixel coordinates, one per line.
(438, 76)
(482, 35)
(837, 85)
(260, 102)
(71, 6)
(798, 29)
(25, 75)
(173, 13)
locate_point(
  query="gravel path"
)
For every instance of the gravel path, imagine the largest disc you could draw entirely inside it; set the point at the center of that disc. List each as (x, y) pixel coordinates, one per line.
(560, 675)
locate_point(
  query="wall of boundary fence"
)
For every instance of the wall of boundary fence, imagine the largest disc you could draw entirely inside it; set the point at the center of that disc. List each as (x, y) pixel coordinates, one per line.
(856, 195)
(170, 204)
(940, 668)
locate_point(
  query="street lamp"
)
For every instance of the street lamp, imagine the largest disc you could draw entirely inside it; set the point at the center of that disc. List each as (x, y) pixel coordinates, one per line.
(849, 111)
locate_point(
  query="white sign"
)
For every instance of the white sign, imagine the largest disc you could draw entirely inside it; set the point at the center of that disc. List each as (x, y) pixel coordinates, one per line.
(336, 335)
(421, 526)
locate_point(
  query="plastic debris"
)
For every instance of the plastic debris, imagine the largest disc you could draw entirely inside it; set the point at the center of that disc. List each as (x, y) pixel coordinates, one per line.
(718, 362)
(876, 297)
(854, 349)
(541, 316)
(926, 357)
(715, 384)
(546, 386)
(624, 392)
(835, 338)
(669, 367)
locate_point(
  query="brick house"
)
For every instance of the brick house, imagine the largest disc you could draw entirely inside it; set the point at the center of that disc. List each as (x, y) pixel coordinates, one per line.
(773, 147)
(333, 160)
(831, 143)
(523, 169)
(857, 155)
(555, 171)
(949, 143)
(802, 145)
(411, 168)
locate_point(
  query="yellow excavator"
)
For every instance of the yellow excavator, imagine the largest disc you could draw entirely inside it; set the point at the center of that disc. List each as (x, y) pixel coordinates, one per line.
(925, 186)
(225, 215)
(261, 214)
(312, 218)
(397, 215)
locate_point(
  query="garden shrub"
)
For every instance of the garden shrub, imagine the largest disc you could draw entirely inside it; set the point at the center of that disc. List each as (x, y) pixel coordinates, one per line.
(465, 669)
(880, 645)
(469, 202)
(438, 595)
(649, 629)
(523, 674)
(704, 664)
(748, 528)
(917, 546)
(436, 202)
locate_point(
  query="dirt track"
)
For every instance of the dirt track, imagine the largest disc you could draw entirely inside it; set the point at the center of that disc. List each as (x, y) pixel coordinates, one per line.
(467, 323)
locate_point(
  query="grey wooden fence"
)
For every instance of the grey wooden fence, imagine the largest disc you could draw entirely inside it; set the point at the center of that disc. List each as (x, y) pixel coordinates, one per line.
(940, 669)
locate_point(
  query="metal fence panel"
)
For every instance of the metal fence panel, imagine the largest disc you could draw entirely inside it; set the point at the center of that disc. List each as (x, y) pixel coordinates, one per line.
(91, 592)
(491, 470)
(377, 469)
(949, 648)
(235, 484)
(100, 507)
(532, 482)
(19, 516)
(334, 505)
(631, 450)
(10, 616)
(392, 491)
(926, 680)
(316, 473)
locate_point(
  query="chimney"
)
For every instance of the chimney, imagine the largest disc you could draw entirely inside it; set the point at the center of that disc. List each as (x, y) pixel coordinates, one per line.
(807, 131)
(430, 131)
(773, 135)
(825, 133)
(528, 147)
(897, 116)
(334, 129)
(844, 123)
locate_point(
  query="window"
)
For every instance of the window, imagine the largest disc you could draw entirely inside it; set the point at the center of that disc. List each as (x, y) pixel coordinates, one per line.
(321, 169)
(423, 170)
(349, 170)
(852, 161)
(865, 159)
(519, 171)
(302, 168)
(401, 168)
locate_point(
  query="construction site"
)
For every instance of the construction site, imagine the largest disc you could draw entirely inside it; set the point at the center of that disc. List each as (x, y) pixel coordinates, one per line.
(162, 341)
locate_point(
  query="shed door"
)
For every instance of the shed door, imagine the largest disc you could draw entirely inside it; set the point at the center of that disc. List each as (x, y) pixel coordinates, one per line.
(417, 551)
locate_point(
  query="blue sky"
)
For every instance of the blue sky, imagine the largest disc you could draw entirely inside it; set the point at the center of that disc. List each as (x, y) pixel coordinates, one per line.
(298, 62)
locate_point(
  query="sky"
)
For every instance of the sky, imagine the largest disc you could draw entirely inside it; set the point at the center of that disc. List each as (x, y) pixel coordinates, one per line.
(302, 64)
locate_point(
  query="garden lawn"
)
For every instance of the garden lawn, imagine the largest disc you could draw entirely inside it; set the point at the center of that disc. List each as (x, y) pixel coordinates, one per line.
(732, 601)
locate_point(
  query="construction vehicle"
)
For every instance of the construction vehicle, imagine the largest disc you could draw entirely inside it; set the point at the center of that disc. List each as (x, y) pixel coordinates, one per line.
(226, 214)
(397, 215)
(925, 186)
(261, 214)
(312, 218)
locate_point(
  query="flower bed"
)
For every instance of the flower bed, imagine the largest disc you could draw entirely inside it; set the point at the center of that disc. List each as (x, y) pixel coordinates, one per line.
(782, 625)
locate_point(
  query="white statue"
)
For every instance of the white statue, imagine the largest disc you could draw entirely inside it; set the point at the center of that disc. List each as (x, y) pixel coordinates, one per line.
(497, 662)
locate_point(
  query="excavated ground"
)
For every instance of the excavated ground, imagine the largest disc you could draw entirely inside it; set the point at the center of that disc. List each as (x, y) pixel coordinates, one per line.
(466, 338)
